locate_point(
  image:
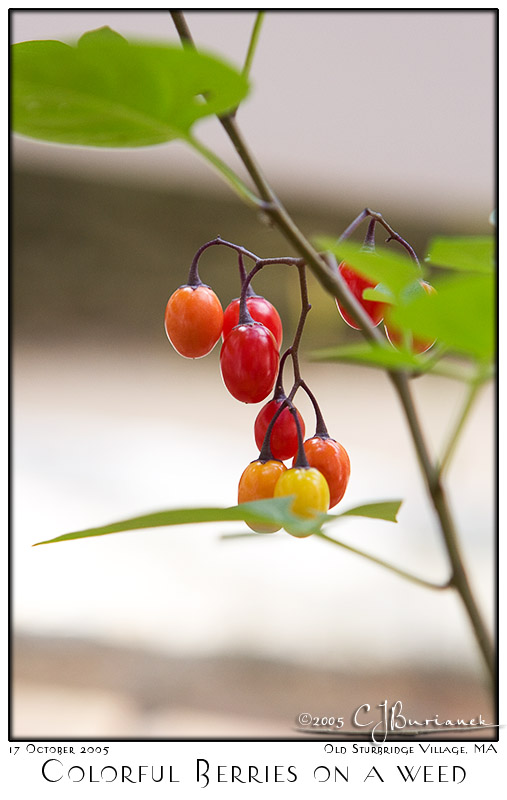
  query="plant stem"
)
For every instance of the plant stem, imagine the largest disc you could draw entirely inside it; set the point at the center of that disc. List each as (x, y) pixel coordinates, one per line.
(407, 575)
(230, 176)
(334, 284)
(254, 38)
(471, 395)
(435, 489)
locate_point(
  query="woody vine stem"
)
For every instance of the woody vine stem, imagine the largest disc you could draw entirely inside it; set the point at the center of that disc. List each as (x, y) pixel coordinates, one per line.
(326, 272)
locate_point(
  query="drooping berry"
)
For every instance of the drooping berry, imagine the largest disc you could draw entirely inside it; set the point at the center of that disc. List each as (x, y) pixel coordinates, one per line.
(193, 320)
(249, 362)
(284, 434)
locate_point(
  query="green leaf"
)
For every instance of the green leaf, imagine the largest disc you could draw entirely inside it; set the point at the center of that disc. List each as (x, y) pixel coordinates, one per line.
(382, 358)
(460, 315)
(470, 253)
(387, 510)
(378, 293)
(100, 35)
(373, 355)
(275, 511)
(383, 266)
(107, 92)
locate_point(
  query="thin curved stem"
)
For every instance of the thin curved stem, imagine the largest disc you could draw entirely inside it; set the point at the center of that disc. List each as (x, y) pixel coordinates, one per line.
(305, 310)
(375, 215)
(193, 275)
(397, 570)
(448, 452)
(254, 40)
(234, 181)
(321, 428)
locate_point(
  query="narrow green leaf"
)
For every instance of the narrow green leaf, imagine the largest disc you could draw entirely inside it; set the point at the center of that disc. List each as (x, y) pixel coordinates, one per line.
(470, 253)
(386, 510)
(372, 355)
(384, 266)
(107, 92)
(276, 510)
(381, 358)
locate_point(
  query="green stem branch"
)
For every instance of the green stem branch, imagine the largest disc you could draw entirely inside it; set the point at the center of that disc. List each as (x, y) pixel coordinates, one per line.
(254, 39)
(226, 172)
(448, 452)
(401, 572)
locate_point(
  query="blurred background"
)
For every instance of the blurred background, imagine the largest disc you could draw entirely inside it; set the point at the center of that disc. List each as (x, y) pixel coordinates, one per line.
(176, 632)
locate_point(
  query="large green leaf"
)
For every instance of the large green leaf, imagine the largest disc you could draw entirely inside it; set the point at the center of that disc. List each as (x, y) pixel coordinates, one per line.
(384, 266)
(470, 253)
(276, 511)
(460, 315)
(107, 92)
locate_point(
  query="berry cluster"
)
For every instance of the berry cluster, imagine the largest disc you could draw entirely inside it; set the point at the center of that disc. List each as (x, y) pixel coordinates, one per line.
(377, 311)
(251, 369)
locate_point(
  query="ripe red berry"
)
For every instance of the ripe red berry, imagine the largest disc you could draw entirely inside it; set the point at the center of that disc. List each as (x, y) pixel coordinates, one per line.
(400, 338)
(332, 460)
(284, 434)
(357, 284)
(193, 320)
(261, 310)
(249, 362)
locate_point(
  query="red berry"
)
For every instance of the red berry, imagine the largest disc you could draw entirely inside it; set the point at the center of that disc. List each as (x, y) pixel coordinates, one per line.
(284, 434)
(399, 338)
(249, 362)
(332, 460)
(357, 284)
(193, 320)
(261, 310)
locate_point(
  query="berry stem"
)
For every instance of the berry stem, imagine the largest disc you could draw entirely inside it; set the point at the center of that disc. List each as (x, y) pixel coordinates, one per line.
(377, 217)
(242, 273)
(301, 459)
(305, 308)
(279, 392)
(244, 315)
(193, 275)
(321, 428)
(265, 453)
(369, 239)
